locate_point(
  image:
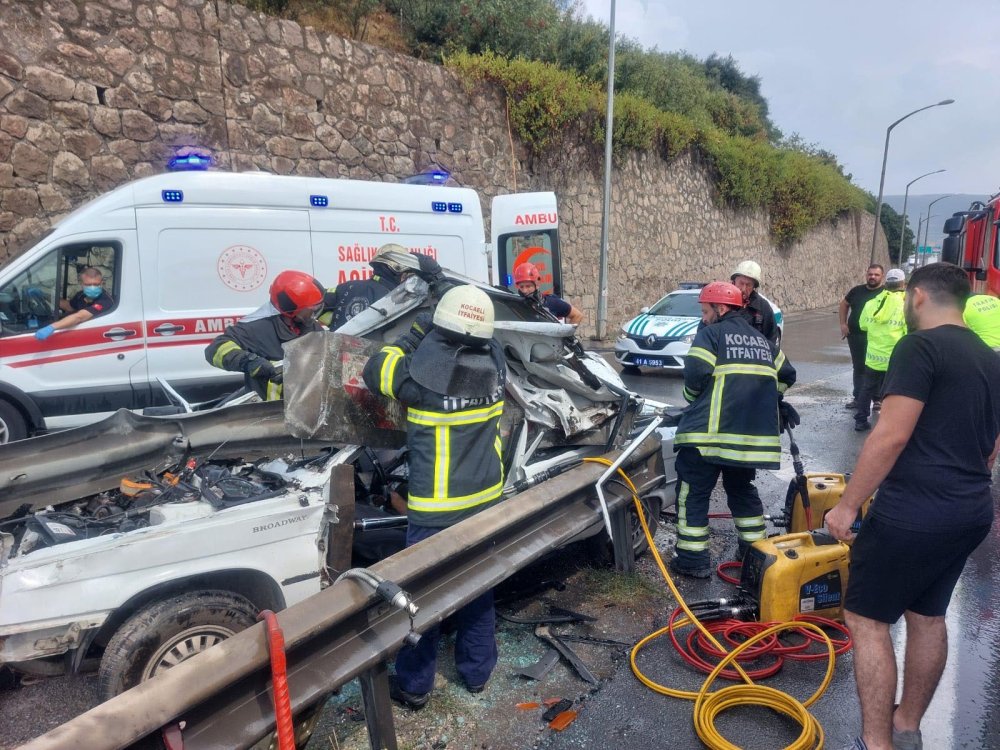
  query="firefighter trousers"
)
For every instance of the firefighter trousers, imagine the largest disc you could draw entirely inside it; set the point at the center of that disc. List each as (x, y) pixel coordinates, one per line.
(475, 640)
(696, 478)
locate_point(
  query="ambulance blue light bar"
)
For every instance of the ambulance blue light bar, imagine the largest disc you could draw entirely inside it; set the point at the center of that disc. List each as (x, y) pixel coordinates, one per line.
(455, 208)
(439, 206)
(192, 161)
(319, 201)
(172, 196)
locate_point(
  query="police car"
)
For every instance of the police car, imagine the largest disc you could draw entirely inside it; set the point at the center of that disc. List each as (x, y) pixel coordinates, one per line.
(660, 336)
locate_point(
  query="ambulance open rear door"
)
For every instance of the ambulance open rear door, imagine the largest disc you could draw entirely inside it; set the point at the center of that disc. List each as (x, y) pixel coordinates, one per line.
(525, 228)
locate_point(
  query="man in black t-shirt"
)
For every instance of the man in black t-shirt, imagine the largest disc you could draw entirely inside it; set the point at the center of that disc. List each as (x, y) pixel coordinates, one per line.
(931, 457)
(850, 329)
(92, 300)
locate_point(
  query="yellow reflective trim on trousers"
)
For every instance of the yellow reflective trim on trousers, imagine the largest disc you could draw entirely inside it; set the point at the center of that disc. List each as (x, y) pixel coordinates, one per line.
(442, 438)
(766, 371)
(393, 356)
(692, 546)
(727, 438)
(224, 348)
(715, 410)
(692, 530)
(472, 416)
(750, 457)
(442, 504)
(751, 536)
(703, 354)
(748, 521)
(274, 391)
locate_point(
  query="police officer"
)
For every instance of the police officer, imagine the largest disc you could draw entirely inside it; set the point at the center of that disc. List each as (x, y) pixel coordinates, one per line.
(747, 276)
(883, 320)
(982, 315)
(450, 373)
(733, 378)
(253, 345)
(526, 280)
(391, 265)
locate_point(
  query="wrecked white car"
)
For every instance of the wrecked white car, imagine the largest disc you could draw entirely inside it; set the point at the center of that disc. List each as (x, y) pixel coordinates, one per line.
(137, 542)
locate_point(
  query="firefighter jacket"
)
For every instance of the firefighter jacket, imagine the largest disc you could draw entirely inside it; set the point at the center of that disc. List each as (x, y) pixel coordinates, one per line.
(348, 299)
(251, 346)
(883, 320)
(733, 378)
(760, 315)
(455, 467)
(982, 315)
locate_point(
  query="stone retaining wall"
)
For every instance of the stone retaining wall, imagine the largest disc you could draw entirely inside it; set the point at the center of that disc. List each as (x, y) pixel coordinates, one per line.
(96, 93)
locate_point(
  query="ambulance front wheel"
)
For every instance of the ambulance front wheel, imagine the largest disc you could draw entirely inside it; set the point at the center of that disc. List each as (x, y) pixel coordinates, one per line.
(13, 425)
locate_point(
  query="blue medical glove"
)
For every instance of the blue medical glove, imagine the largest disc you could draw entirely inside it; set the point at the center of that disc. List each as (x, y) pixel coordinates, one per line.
(43, 333)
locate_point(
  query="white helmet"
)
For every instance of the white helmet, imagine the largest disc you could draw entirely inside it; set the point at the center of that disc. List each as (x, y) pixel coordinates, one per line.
(747, 268)
(465, 313)
(396, 258)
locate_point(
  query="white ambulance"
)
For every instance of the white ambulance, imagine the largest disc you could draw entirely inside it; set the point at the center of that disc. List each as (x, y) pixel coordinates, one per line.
(185, 254)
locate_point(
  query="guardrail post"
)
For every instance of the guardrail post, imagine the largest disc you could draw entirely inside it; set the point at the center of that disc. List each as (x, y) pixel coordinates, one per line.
(378, 707)
(624, 555)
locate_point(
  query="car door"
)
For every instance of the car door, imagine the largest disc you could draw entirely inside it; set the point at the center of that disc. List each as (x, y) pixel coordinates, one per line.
(94, 368)
(204, 268)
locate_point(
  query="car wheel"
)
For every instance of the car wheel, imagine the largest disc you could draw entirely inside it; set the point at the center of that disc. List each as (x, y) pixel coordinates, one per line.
(165, 633)
(13, 426)
(603, 550)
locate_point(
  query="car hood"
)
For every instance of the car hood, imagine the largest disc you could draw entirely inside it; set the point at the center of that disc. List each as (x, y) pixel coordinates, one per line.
(661, 325)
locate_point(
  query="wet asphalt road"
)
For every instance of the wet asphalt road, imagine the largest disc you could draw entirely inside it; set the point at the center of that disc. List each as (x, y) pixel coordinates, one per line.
(965, 712)
(622, 713)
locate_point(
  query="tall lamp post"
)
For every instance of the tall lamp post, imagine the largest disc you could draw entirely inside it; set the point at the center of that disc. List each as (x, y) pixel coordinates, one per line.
(906, 195)
(885, 156)
(927, 224)
(602, 274)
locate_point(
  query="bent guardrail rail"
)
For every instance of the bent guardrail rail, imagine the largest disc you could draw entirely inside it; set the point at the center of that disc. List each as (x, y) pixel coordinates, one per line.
(222, 695)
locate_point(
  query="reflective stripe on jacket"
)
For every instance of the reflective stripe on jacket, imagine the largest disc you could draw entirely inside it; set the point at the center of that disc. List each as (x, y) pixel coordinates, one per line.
(455, 466)
(882, 318)
(732, 378)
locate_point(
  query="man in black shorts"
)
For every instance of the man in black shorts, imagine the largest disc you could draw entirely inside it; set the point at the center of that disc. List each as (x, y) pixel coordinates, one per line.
(931, 457)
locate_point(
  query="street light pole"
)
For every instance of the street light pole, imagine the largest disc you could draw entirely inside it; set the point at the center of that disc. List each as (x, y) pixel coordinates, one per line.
(602, 280)
(906, 195)
(885, 157)
(927, 224)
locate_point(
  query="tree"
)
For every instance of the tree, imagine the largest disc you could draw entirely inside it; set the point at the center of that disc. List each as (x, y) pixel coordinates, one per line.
(892, 223)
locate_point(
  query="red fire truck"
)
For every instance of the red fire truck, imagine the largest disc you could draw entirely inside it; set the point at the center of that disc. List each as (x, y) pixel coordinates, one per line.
(973, 242)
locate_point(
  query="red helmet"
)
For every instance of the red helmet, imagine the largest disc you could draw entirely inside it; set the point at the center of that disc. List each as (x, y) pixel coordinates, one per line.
(527, 272)
(721, 293)
(294, 291)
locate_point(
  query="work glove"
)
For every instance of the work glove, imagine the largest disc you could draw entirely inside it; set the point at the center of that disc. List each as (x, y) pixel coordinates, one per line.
(258, 367)
(788, 417)
(422, 325)
(43, 333)
(430, 269)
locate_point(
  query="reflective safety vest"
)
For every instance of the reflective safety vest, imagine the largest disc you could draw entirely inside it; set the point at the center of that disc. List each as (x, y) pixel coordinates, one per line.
(732, 378)
(982, 315)
(882, 318)
(455, 467)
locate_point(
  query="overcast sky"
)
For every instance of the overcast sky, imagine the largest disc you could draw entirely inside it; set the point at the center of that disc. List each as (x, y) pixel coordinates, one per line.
(840, 73)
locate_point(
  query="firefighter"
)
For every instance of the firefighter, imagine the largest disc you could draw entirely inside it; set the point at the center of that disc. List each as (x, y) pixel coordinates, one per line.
(883, 320)
(392, 265)
(450, 373)
(733, 379)
(253, 345)
(982, 315)
(526, 279)
(746, 276)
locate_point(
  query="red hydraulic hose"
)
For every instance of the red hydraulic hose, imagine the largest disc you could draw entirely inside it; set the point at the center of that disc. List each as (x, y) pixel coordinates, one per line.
(279, 682)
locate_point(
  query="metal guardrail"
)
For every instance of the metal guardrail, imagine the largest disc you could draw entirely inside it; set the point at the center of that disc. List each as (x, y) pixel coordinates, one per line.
(221, 697)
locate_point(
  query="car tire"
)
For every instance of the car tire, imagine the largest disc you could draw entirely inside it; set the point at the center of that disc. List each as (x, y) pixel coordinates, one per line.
(603, 551)
(168, 632)
(13, 425)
